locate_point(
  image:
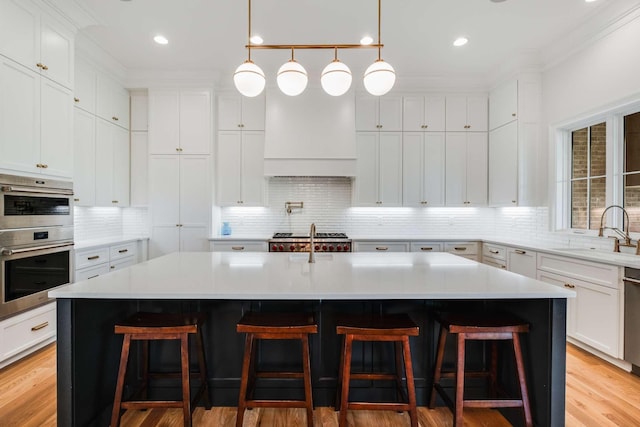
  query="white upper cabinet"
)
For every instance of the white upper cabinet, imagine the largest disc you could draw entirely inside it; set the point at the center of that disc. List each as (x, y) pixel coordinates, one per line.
(503, 104)
(503, 165)
(112, 164)
(379, 113)
(179, 121)
(112, 101)
(84, 92)
(379, 169)
(36, 40)
(56, 130)
(423, 161)
(467, 113)
(237, 112)
(139, 112)
(84, 158)
(423, 113)
(240, 159)
(466, 169)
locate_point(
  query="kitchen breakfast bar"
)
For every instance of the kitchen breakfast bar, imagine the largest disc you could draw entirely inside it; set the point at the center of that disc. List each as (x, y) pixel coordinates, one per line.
(223, 286)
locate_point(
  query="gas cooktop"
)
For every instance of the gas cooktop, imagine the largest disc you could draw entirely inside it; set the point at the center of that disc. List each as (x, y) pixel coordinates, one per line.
(317, 236)
(323, 242)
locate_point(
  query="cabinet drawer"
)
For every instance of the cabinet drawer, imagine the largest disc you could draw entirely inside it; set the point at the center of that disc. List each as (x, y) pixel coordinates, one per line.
(89, 257)
(426, 247)
(601, 274)
(27, 329)
(381, 247)
(122, 251)
(239, 246)
(494, 263)
(122, 263)
(91, 272)
(462, 248)
(494, 252)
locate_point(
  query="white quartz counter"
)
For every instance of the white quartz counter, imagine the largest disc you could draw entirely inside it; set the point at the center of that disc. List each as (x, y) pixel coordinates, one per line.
(348, 276)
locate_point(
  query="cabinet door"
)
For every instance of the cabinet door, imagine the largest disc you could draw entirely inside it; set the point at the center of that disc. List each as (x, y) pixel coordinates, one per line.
(195, 199)
(390, 113)
(84, 92)
(477, 149)
(503, 104)
(165, 239)
(121, 106)
(252, 168)
(164, 128)
(413, 158)
(19, 117)
(56, 132)
(112, 101)
(413, 114)
(195, 122)
(139, 169)
(381, 247)
(229, 168)
(477, 113)
(456, 168)
(139, 112)
(434, 168)
(229, 112)
(434, 113)
(20, 32)
(253, 113)
(194, 239)
(56, 52)
(456, 113)
(503, 165)
(164, 190)
(84, 157)
(121, 161)
(105, 134)
(522, 262)
(390, 169)
(367, 113)
(366, 185)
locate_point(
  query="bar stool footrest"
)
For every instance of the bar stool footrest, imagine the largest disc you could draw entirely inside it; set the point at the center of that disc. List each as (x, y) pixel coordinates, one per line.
(382, 406)
(497, 403)
(150, 404)
(276, 404)
(286, 375)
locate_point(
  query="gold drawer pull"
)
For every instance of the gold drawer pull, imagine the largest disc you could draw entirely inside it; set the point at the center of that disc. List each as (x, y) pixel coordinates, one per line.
(123, 251)
(494, 252)
(76, 99)
(237, 248)
(114, 201)
(460, 248)
(40, 326)
(569, 285)
(426, 249)
(382, 248)
(115, 118)
(520, 252)
(504, 267)
(91, 258)
(76, 200)
(112, 267)
(93, 277)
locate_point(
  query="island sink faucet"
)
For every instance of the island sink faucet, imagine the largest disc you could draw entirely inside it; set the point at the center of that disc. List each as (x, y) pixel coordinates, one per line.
(624, 233)
(312, 235)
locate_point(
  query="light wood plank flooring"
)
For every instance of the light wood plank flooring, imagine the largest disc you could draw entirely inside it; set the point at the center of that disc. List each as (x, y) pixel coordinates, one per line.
(598, 394)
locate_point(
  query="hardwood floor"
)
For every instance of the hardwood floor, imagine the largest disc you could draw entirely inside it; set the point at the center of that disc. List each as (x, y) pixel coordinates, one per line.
(598, 394)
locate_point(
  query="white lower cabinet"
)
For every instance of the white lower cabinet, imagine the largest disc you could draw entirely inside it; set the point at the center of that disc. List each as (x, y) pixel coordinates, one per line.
(494, 255)
(382, 246)
(239, 246)
(426, 247)
(467, 250)
(595, 316)
(27, 332)
(96, 261)
(522, 261)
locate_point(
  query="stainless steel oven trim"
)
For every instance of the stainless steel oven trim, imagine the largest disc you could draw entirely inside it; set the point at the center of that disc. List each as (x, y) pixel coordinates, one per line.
(10, 252)
(36, 190)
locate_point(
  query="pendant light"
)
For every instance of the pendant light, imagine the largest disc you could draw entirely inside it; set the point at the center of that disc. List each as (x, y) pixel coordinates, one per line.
(380, 77)
(336, 77)
(292, 77)
(249, 79)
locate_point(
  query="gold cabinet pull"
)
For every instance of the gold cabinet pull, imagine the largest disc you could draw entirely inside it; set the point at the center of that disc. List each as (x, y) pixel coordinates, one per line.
(123, 251)
(44, 166)
(382, 248)
(426, 249)
(76, 200)
(569, 285)
(44, 67)
(460, 248)
(513, 114)
(115, 118)
(112, 267)
(493, 252)
(114, 201)
(93, 277)
(40, 326)
(76, 99)
(504, 267)
(237, 248)
(91, 258)
(520, 252)
(39, 65)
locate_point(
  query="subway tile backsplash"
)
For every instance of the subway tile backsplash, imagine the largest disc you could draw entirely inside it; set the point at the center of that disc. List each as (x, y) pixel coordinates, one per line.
(95, 223)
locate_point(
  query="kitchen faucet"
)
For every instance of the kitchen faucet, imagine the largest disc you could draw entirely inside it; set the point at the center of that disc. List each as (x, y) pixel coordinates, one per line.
(624, 234)
(312, 234)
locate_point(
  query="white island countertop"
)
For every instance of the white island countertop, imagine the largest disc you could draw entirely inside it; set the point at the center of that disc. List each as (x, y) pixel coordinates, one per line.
(274, 276)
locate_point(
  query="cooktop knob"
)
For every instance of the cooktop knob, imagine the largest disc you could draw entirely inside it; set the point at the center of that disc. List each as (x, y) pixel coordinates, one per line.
(324, 247)
(281, 248)
(316, 247)
(331, 248)
(274, 247)
(292, 248)
(339, 248)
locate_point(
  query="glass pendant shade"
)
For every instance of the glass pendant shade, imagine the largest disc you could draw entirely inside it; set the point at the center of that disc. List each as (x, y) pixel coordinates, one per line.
(292, 78)
(379, 78)
(249, 79)
(336, 78)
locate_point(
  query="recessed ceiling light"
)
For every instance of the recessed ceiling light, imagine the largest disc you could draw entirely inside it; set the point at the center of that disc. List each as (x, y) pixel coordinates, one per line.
(256, 39)
(589, 1)
(160, 39)
(460, 41)
(366, 40)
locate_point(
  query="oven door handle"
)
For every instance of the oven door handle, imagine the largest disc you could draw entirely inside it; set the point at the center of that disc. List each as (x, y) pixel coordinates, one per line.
(9, 252)
(15, 189)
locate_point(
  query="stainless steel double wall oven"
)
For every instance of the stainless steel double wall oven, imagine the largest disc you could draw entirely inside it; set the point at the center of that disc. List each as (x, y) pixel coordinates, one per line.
(36, 240)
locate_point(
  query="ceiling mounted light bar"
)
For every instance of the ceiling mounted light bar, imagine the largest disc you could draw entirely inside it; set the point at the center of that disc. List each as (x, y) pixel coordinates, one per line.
(292, 79)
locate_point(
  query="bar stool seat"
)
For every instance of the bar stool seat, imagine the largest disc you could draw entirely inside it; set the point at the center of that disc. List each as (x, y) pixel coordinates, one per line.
(396, 328)
(274, 326)
(146, 327)
(482, 326)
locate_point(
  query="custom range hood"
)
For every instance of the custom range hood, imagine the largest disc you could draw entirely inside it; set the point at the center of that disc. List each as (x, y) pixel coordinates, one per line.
(312, 134)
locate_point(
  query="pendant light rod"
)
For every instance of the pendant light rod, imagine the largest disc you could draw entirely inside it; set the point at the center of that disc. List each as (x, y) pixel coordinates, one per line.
(312, 46)
(249, 34)
(379, 13)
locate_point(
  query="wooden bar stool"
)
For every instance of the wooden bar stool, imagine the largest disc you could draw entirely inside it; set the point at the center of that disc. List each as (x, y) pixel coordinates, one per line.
(396, 328)
(479, 327)
(146, 327)
(274, 326)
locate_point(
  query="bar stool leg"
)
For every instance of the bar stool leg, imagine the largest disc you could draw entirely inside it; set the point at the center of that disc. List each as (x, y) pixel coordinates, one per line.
(493, 373)
(186, 388)
(204, 375)
(522, 379)
(346, 378)
(411, 391)
(306, 369)
(442, 340)
(340, 373)
(122, 370)
(399, 358)
(145, 369)
(457, 415)
(242, 400)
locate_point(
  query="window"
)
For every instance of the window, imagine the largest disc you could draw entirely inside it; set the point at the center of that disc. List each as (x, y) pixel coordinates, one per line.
(588, 176)
(631, 172)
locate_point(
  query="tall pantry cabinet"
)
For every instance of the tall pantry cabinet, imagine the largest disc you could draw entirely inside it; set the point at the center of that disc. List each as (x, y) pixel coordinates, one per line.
(180, 129)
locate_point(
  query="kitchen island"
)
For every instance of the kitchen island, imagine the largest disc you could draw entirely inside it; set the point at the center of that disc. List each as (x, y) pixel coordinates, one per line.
(224, 285)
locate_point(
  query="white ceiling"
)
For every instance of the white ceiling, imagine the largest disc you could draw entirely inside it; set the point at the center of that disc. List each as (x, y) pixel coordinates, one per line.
(209, 35)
